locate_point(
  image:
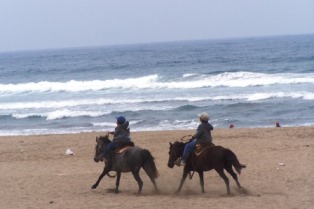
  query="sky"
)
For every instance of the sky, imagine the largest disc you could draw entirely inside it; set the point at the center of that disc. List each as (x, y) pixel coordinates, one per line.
(49, 24)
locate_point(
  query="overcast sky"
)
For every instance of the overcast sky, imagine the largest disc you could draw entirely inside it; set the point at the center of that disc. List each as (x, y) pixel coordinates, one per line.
(44, 24)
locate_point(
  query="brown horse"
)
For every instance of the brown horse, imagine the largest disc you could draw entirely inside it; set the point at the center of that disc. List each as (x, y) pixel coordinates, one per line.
(215, 157)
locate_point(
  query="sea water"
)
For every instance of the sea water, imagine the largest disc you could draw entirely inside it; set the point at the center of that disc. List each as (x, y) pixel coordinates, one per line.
(249, 82)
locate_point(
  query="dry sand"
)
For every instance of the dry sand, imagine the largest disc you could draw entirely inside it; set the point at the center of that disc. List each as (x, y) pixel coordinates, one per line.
(36, 173)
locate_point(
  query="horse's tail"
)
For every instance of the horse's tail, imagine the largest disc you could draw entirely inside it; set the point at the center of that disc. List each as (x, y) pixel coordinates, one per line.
(231, 157)
(149, 164)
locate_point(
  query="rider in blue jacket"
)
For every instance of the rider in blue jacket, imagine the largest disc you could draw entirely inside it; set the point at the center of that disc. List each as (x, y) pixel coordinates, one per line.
(121, 136)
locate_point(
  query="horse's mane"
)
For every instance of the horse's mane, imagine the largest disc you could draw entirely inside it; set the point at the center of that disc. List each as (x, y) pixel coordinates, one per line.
(179, 143)
(104, 139)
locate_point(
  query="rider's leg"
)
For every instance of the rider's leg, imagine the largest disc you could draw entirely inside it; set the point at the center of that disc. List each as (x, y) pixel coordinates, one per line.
(188, 149)
(111, 146)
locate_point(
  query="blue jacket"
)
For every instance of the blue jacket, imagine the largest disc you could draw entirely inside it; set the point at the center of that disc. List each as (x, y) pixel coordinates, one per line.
(122, 133)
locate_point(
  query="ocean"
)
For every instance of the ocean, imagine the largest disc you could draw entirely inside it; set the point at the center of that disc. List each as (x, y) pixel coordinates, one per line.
(248, 82)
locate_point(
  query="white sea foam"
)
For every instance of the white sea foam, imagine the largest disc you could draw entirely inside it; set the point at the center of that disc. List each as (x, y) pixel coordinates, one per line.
(58, 114)
(263, 96)
(66, 113)
(104, 124)
(70, 113)
(81, 102)
(233, 79)
(189, 75)
(146, 103)
(113, 124)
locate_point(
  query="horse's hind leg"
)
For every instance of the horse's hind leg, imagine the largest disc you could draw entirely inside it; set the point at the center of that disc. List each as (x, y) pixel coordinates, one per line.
(152, 178)
(105, 171)
(118, 181)
(201, 175)
(137, 177)
(233, 174)
(154, 182)
(225, 178)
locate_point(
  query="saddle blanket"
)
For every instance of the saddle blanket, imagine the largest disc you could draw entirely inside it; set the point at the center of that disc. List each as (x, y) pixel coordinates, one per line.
(121, 150)
(200, 148)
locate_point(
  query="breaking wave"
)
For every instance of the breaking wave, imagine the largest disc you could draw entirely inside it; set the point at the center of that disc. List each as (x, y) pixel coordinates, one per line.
(187, 81)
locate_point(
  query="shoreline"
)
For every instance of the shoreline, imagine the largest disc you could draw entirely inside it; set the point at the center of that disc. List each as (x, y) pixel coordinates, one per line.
(170, 130)
(36, 172)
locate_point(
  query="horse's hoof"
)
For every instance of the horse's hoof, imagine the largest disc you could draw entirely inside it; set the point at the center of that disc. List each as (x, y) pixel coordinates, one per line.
(177, 192)
(94, 187)
(156, 191)
(138, 192)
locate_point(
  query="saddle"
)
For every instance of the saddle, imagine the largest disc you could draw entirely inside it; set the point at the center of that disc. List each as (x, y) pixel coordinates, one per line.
(200, 148)
(123, 147)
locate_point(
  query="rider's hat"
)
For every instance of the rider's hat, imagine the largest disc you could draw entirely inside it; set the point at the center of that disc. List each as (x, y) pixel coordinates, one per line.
(121, 120)
(204, 117)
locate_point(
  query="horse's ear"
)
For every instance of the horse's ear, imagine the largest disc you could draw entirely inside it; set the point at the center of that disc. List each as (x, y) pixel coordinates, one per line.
(97, 139)
(170, 144)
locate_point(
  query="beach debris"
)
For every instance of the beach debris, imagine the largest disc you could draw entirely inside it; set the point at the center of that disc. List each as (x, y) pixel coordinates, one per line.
(69, 152)
(281, 164)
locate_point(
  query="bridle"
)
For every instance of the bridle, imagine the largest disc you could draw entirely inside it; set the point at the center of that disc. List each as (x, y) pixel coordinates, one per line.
(100, 146)
(174, 153)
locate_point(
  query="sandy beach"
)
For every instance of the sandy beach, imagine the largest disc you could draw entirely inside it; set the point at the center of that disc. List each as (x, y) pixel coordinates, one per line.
(35, 172)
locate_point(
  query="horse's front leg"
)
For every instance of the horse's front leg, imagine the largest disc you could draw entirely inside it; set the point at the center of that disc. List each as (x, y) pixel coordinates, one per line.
(105, 171)
(118, 182)
(185, 174)
(201, 175)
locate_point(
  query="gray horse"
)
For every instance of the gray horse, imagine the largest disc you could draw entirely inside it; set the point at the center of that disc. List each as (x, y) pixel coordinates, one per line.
(131, 160)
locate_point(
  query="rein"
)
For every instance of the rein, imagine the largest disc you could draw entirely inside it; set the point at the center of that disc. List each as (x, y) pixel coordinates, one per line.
(101, 145)
(186, 140)
(191, 173)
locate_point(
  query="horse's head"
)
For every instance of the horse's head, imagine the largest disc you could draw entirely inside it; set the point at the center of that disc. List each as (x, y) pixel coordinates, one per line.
(175, 152)
(101, 143)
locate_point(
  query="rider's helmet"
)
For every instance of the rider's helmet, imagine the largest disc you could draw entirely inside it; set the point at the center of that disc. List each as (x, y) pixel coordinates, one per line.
(121, 120)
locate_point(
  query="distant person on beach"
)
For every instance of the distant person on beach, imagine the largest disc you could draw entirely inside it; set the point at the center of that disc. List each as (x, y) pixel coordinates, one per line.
(121, 136)
(278, 125)
(201, 136)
